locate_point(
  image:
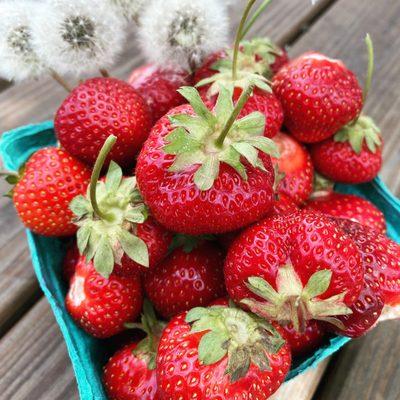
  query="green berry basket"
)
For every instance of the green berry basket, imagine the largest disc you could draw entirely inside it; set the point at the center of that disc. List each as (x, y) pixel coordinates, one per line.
(87, 354)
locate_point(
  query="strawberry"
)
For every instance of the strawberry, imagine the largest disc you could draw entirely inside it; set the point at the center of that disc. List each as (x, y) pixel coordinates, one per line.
(368, 307)
(304, 343)
(221, 353)
(295, 268)
(49, 181)
(130, 373)
(186, 279)
(70, 260)
(249, 63)
(319, 96)
(348, 206)
(114, 227)
(283, 205)
(296, 168)
(207, 172)
(159, 87)
(381, 259)
(96, 109)
(357, 149)
(102, 306)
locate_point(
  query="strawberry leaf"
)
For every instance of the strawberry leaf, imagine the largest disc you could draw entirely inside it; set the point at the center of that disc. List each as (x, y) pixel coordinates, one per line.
(134, 247)
(104, 259)
(212, 347)
(113, 177)
(205, 176)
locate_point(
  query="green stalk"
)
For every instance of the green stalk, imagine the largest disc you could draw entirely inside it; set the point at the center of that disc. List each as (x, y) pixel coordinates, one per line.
(371, 66)
(254, 18)
(238, 37)
(98, 166)
(239, 106)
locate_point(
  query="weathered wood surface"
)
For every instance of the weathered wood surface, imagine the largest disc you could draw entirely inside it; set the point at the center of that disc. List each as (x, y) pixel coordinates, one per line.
(367, 369)
(36, 101)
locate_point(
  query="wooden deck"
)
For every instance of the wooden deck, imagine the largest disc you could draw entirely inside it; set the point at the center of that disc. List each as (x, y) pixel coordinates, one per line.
(34, 363)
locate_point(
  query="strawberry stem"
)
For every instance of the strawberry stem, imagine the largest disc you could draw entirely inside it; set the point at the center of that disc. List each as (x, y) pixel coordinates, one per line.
(254, 18)
(60, 80)
(238, 37)
(371, 66)
(239, 106)
(98, 166)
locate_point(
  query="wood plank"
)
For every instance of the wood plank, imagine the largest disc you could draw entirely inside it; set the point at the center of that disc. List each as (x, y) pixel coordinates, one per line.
(34, 363)
(36, 101)
(367, 368)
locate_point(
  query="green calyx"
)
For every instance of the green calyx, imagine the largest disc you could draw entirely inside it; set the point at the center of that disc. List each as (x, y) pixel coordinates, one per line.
(211, 137)
(293, 303)
(107, 218)
(231, 332)
(147, 348)
(321, 185)
(363, 130)
(187, 242)
(253, 67)
(12, 178)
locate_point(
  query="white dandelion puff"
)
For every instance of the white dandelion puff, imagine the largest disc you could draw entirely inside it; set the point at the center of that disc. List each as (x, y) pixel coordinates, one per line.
(130, 9)
(18, 59)
(183, 32)
(78, 36)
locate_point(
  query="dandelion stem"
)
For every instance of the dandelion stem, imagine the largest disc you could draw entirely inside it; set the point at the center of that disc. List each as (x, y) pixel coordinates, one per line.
(239, 106)
(60, 80)
(238, 37)
(371, 66)
(105, 150)
(104, 73)
(254, 18)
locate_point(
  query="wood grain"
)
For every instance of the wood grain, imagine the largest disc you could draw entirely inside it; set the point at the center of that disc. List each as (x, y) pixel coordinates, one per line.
(34, 361)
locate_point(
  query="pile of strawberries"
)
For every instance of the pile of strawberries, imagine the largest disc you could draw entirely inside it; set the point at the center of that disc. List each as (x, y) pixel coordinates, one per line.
(210, 194)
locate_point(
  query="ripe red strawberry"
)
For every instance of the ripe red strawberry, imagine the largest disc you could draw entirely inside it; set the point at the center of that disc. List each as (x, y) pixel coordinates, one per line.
(50, 180)
(368, 307)
(381, 258)
(71, 258)
(198, 180)
(159, 87)
(102, 306)
(186, 280)
(295, 268)
(319, 96)
(130, 374)
(296, 168)
(348, 206)
(283, 205)
(221, 353)
(114, 227)
(127, 377)
(96, 109)
(353, 155)
(302, 344)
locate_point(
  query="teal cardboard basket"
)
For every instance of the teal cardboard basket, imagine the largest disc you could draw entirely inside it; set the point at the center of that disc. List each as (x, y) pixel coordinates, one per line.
(87, 354)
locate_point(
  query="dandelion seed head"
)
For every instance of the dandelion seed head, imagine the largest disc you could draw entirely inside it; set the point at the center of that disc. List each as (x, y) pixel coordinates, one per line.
(79, 36)
(183, 32)
(18, 59)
